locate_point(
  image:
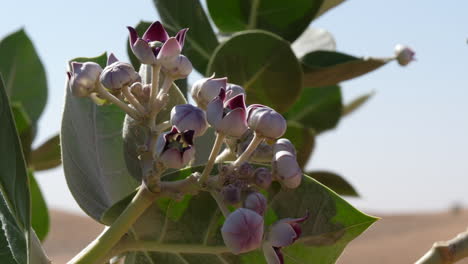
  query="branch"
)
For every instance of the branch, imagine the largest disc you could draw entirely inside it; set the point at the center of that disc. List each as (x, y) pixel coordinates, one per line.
(447, 252)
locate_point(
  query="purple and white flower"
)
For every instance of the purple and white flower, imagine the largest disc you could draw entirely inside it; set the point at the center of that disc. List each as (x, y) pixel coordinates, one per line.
(227, 117)
(175, 148)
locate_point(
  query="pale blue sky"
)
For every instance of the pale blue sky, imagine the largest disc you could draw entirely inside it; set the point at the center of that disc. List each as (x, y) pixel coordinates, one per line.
(405, 150)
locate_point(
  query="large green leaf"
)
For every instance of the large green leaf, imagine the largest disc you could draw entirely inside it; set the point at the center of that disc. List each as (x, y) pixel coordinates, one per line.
(24, 74)
(39, 211)
(195, 223)
(15, 204)
(327, 5)
(200, 40)
(303, 138)
(24, 127)
(92, 152)
(322, 68)
(313, 39)
(47, 156)
(263, 64)
(287, 19)
(318, 108)
(334, 182)
(356, 103)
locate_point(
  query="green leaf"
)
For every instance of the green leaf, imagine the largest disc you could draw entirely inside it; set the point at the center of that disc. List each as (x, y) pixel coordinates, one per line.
(327, 5)
(323, 68)
(263, 64)
(288, 20)
(39, 211)
(24, 74)
(47, 156)
(200, 40)
(332, 224)
(24, 128)
(356, 103)
(303, 139)
(334, 182)
(92, 152)
(313, 39)
(318, 108)
(15, 205)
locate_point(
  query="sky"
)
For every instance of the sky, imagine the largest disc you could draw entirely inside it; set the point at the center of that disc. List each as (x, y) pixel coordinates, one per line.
(404, 151)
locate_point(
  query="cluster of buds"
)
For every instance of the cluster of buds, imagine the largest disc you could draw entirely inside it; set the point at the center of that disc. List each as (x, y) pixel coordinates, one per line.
(222, 106)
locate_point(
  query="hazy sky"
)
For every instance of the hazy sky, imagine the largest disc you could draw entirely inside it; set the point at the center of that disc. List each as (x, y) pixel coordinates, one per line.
(405, 150)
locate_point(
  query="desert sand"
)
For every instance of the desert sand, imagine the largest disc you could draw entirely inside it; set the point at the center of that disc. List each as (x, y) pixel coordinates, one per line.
(393, 239)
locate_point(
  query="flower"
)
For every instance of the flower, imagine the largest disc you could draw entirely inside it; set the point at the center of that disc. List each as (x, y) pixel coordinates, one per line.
(404, 54)
(286, 169)
(189, 117)
(265, 121)
(227, 117)
(262, 178)
(118, 74)
(178, 68)
(284, 144)
(175, 148)
(206, 89)
(233, 90)
(282, 234)
(147, 48)
(257, 202)
(83, 78)
(242, 231)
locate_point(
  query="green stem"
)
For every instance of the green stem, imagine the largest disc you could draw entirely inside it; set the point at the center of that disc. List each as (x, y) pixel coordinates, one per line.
(249, 150)
(155, 69)
(253, 14)
(214, 152)
(219, 200)
(132, 100)
(111, 98)
(165, 87)
(97, 251)
(139, 245)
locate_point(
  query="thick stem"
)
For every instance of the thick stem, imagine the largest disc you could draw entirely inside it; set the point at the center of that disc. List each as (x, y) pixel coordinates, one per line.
(111, 98)
(155, 69)
(165, 87)
(447, 252)
(97, 251)
(249, 150)
(132, 99)
(219, 200)
(163, 126)
(214, 152)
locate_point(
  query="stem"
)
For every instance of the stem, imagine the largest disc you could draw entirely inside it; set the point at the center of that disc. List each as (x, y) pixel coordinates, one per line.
(142, 245)
(249, 150)
(155, 69)
(132, 99)
(447, 252)
(98, 249)
(166, 86)
(214, 152)
(219, 200)
(253, 14)
(111, 98)
(163, 126)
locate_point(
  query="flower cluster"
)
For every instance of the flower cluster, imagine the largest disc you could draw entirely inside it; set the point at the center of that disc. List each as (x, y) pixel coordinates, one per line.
(170, 144)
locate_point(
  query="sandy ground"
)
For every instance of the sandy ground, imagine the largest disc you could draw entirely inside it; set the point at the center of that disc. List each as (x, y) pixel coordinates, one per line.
(394, 239)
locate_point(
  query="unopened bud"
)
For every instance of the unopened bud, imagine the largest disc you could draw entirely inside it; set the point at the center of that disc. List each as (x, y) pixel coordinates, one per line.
(83, 78)
(231, 194)
(284, 144)
(286, 169)
(266, 121)
(257, 202)
(262, 177)
(141, 92)
(243, 231)
(404, 54)
(189, 117)
(206, 89)
(245, 170)
(178, 68)
(117, 75)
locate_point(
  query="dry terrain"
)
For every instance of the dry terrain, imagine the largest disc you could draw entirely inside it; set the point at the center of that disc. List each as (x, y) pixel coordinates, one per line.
(394, 239)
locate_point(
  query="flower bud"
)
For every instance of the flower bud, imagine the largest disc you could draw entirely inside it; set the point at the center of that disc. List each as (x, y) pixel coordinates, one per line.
(262, 178)
(141, 92)
(175, 148)
(245, 170)
(178, 68)
(286, 169)
(206, 89)
(284, 144)
(169, 51)
(257, 202)
(233, 90)
(83, 77)
(231, 194)
(189, 117)
(265, 121)
(404, 55)
(117, 75)
(227, 117)
(243, 231)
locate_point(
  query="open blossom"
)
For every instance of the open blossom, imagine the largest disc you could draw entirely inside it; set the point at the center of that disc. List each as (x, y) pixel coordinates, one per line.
(83, 78)
(243, 231)
(286, 169)
(282, 234)
(265, 121)
(206, 89)
(175, 148)
(148, 47)
(233, 90)
(118, 74)
(189, 117)
(227, 117)
(404, 54)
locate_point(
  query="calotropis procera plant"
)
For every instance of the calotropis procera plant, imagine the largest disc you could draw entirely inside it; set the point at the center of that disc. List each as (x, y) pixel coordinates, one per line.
(158, 204)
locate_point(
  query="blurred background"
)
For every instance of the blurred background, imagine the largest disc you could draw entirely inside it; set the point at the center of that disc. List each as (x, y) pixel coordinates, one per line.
(404, 151)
